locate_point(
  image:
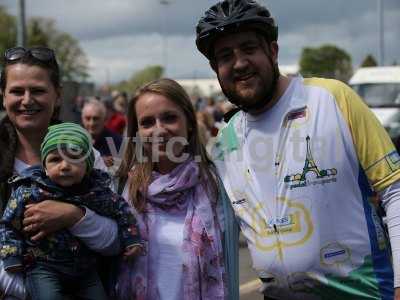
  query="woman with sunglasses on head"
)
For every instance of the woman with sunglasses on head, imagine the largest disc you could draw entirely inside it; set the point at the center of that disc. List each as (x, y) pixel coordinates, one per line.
(30, 85)
(181, 208)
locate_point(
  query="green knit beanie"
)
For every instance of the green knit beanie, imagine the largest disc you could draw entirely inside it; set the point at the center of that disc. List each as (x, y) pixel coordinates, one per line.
(69, 137)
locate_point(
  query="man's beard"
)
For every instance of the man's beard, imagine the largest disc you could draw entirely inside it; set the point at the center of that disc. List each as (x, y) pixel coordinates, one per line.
(258, 101)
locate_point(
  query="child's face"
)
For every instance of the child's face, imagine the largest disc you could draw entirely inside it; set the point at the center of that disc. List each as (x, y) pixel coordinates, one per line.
(65, 169)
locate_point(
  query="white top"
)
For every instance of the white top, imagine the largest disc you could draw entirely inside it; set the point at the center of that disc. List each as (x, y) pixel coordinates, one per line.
(166, 252)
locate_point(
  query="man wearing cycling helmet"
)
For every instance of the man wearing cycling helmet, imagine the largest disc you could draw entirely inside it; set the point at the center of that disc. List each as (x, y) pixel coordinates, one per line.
(306, 165)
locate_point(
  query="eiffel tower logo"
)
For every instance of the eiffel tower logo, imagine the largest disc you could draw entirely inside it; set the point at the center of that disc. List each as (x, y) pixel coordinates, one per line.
(309, 165)
(300, 180)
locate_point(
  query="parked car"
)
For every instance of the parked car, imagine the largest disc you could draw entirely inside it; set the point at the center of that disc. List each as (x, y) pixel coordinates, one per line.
(380, 89)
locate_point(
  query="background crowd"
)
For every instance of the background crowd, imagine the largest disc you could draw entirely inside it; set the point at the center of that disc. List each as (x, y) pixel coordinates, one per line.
(104, 117)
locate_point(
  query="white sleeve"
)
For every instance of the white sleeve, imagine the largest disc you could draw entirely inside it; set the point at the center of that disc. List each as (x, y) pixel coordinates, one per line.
(390, 198)
(12, 284)
(98, 233)
(99, 162)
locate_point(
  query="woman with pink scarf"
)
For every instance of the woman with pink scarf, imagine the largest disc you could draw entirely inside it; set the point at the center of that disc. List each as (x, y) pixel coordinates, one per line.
(180, 206)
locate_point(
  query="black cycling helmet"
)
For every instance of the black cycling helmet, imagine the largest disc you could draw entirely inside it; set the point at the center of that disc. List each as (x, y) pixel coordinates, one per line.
(230, 15)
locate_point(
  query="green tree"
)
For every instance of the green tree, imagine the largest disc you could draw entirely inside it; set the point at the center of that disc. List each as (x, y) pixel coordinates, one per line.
(139, 78)
(36, 34)
(327, 61)
(8, 33)
(72, 59)
(369, 61)
(43, 32)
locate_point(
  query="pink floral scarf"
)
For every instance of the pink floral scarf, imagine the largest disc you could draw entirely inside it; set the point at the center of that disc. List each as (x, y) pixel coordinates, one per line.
(203, 270)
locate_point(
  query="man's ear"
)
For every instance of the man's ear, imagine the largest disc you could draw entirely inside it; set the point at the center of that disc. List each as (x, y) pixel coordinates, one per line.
(274, 48)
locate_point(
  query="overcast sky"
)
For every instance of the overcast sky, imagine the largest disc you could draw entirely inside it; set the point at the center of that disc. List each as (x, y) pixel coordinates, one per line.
(120, 37)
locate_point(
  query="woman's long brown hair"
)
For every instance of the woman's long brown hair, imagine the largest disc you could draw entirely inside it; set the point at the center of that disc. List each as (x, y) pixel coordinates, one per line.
(140, 176)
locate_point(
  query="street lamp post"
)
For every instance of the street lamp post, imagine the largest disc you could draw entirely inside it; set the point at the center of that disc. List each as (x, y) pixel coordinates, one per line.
(165, 3)
(21, 26)
(381, 46)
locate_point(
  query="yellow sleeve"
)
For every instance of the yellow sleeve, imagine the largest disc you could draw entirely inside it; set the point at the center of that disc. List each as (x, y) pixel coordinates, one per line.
(375, 150)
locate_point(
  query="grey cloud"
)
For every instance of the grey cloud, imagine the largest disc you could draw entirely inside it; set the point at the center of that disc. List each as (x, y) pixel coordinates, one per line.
(120, 62)
(126, 35)
(292, 15)
(92, 19)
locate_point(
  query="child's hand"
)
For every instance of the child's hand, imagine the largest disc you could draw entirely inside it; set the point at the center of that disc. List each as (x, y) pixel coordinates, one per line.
(133, 251)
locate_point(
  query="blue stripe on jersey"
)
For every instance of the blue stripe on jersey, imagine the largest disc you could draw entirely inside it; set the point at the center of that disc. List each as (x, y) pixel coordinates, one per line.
(381, 259)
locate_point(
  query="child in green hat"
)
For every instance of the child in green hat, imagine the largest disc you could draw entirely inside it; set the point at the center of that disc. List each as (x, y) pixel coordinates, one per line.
(60, 264)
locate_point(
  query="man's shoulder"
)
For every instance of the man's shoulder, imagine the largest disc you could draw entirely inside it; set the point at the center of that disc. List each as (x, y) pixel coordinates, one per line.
(333, 86)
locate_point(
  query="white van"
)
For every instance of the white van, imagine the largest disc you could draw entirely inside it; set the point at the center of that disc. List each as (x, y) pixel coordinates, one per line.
(380, 88)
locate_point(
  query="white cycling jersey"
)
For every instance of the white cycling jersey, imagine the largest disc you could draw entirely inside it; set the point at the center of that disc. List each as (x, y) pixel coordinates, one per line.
(301, 178)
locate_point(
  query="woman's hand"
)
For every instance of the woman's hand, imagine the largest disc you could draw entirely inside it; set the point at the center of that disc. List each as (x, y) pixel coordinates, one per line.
(48, 216)
(133, 251)
(397, 293)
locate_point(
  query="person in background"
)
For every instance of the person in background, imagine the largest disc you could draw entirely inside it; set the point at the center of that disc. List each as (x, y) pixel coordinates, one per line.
(199, 103)
(31, 89)
(120, 102)
(301, 161)
(60, 264)
(206, 126)
(204, 133)
(105, 141)
(182, 210)
(214, 110)
(208, 120)
(115, 120)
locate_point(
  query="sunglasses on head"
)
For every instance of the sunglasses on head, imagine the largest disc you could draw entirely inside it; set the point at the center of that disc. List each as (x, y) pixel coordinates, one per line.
(40, 53)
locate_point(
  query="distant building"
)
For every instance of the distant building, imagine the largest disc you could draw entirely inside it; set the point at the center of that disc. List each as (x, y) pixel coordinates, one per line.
(289, 70)
(206, 87)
